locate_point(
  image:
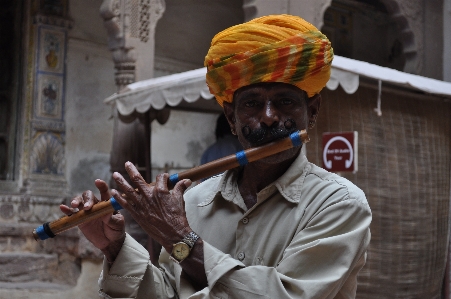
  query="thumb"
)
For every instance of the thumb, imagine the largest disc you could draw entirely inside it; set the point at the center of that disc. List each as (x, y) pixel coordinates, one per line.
(180, 188)
(104, 190)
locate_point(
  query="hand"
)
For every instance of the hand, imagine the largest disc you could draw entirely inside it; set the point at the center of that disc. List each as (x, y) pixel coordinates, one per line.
(160, 213)
(107, 232)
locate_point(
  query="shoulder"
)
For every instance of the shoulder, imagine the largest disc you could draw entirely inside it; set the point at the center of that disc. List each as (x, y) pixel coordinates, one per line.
(330, 186)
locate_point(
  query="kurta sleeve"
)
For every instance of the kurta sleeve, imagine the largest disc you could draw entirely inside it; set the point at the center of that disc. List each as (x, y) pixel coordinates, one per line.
(322, 261)
(132, 275)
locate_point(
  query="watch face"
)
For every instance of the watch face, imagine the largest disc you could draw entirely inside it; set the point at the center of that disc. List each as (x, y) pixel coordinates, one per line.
(180, 251)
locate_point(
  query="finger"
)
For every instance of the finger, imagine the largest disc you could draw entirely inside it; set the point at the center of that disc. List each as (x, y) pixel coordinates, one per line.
(89, 200)
(188, 183)
(161, 182)
(179, 189)
(104, 190)
(116, 222)
(125, 203)
(77, 202)
(67, 210)
(136, 177)
(125, 187)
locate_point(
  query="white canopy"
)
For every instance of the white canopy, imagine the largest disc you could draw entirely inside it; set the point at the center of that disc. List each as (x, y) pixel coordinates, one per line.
(190, 86)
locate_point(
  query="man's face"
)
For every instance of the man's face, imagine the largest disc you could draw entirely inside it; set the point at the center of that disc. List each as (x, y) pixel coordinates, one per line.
(263, 112)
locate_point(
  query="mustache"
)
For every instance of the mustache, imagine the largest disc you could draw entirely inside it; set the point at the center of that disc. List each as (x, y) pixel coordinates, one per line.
(256, 136)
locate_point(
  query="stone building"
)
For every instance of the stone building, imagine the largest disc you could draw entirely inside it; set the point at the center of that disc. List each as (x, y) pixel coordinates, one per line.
(60, 59)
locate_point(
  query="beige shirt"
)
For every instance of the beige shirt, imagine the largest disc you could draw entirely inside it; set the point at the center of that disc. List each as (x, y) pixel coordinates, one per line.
(305, 238)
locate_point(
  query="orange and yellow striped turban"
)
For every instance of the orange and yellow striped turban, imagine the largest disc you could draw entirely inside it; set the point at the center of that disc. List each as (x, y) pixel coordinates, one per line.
(275, 48)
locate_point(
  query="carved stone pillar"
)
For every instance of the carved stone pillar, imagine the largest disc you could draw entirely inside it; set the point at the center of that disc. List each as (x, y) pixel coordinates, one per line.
(131, 38)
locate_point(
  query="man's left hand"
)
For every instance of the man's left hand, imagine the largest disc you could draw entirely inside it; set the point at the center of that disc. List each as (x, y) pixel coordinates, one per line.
(159, 212)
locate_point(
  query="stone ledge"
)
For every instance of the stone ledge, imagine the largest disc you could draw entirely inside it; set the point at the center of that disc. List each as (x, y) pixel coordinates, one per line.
(26, 267)
(34, 285)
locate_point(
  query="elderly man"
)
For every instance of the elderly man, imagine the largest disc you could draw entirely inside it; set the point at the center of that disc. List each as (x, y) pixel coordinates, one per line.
(279, 227)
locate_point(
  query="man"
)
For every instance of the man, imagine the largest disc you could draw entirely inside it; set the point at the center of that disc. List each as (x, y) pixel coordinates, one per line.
(279, 227)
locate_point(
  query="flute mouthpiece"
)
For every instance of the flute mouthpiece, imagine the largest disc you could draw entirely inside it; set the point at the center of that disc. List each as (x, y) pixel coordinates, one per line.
(35, 235)
(304, 136)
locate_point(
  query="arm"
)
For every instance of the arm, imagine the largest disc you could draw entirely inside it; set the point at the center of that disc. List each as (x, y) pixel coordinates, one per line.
(322, 260)
(132, 275)
(106, 233)
(161, 214)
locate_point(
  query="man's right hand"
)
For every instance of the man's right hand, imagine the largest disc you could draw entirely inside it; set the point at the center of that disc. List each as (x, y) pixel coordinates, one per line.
(106, 233)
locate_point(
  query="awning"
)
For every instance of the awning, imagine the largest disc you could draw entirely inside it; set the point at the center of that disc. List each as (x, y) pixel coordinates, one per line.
(190, 86)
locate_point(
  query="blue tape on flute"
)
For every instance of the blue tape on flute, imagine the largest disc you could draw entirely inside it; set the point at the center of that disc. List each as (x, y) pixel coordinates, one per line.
(115, 204)
(296, 139)
(44, 232)
(174, 178)
(241, 158)
(41, 233)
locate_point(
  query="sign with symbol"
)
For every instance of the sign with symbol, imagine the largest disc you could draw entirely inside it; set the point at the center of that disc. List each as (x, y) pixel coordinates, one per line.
(340, 151)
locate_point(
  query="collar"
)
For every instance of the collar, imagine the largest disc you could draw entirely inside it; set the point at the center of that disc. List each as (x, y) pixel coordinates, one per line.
(289, 184)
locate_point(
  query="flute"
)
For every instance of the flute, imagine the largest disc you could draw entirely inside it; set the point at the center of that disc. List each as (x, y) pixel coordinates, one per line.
(51, 229)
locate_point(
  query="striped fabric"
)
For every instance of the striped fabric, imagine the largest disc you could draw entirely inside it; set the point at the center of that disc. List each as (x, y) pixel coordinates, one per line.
(276, 48)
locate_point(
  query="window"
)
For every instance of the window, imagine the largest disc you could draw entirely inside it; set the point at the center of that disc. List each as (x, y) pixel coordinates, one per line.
(9, 83)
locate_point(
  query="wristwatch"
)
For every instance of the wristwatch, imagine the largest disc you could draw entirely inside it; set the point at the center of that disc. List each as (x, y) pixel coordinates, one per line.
(181, 250)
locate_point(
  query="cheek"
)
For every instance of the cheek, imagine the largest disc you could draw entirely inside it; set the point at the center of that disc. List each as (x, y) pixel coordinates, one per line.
(246, 120)
(301, 118)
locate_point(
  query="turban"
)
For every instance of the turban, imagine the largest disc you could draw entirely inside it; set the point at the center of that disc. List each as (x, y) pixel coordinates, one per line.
(275, 48)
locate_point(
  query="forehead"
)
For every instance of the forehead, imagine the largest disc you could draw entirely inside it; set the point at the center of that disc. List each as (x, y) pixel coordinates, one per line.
(273, 88)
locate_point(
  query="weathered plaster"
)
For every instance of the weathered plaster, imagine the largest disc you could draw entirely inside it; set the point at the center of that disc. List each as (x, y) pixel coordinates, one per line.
(82, 177)
(89, 129)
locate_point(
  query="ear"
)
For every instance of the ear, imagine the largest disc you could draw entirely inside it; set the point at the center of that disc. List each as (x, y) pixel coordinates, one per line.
(313, 105)
(229, 113)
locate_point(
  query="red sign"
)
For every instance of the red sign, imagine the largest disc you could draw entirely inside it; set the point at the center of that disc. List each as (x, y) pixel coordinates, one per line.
(340, 151)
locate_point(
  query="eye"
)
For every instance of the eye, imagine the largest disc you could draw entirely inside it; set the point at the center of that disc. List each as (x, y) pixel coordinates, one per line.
(286, 101)
(250, 103)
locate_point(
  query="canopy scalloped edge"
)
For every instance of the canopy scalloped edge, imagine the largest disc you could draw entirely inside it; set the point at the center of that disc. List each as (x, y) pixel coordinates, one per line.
(190, 86)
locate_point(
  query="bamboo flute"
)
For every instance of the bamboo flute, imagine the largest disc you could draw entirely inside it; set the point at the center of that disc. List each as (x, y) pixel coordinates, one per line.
(51, 229)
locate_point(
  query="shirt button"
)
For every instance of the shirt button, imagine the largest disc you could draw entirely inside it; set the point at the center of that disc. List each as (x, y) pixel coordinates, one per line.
(241, 256)
(245, 220)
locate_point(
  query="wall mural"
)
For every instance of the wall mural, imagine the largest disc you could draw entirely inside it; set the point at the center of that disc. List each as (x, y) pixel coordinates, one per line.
(49, 97)
(51, 50)
(48, 129)
(47, 156)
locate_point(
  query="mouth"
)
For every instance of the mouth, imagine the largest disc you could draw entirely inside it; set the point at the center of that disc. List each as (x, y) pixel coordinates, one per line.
(264, 135)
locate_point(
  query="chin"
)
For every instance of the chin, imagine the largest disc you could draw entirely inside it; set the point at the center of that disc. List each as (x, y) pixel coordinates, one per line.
(288, 154)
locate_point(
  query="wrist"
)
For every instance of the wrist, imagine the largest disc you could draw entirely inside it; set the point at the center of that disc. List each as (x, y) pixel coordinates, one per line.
(176, 237)
(112, 250)
(182, 249)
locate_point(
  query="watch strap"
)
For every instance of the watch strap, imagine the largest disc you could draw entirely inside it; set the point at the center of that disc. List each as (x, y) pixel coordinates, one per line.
(190, 239)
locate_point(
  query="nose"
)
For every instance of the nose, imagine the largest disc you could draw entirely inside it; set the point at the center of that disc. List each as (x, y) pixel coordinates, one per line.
(270, 115)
